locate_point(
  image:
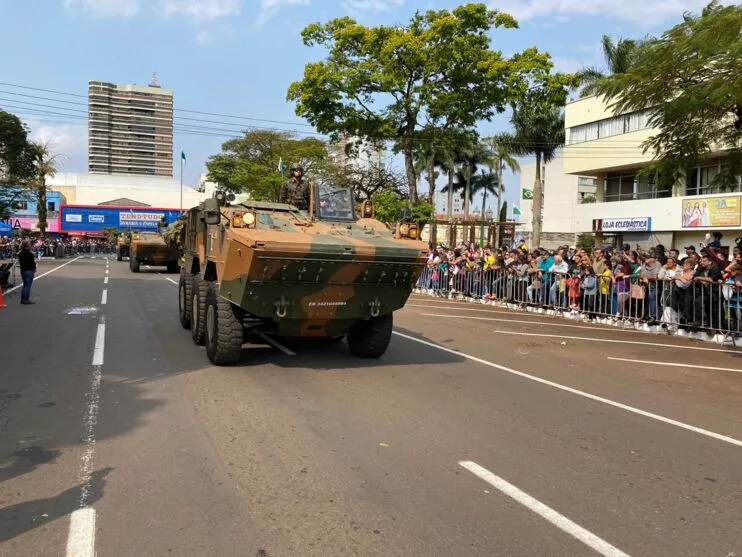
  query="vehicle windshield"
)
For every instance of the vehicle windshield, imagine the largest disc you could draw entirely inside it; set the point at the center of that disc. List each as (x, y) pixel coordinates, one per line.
(334, 203)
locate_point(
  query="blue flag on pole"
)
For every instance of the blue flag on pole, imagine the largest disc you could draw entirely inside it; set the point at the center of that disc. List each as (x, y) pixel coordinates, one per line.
(182, 155)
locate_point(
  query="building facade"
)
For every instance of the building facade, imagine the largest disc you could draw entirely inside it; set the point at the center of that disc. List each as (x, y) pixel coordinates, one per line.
(562, 194)
(26, 212)
(130, 129)
(635, 209)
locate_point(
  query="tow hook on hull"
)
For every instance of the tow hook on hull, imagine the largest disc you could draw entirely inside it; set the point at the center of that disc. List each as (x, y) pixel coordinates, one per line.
(282, 307)
(375, 306)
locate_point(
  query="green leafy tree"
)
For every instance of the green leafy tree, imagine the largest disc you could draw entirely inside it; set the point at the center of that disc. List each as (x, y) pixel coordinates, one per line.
(46, 167)
(690, 80)
(486, 182)
(388, 205)
(422, 213)
(619, 56)
(586, 241)
(387, 82)
(17, 157)
(501, 218)
(249, 164)
(539, 131)
(501, 156)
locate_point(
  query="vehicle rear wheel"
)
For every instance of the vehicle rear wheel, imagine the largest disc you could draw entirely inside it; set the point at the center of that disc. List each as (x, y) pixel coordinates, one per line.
(173, 267)
(370, 339)
(223, 330)
(199, 288)
(133, 264)
(185, 300)
(119, 255)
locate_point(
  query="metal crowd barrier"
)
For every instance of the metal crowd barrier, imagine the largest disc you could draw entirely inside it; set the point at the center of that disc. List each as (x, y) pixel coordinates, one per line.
(669, 305)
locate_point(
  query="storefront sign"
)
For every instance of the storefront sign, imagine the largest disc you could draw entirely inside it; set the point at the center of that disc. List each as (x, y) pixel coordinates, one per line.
(94, 219)
(633, 224)
(32, 223)
(711, 211)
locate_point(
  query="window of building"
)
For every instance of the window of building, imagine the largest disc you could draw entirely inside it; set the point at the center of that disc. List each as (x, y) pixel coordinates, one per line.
(620, 188)
(609, 127)
(51, 206)
(22, 205)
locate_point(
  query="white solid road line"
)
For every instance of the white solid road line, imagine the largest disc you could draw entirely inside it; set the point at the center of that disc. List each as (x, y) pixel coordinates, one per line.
(105, 280)
(674, 364)
(275, 344)
(552, 324)
(618, 341)
(547, 513)
(81, 535)
(627, 408)
(100, 342)
(104, 297)
(171, 280)
(9, 290)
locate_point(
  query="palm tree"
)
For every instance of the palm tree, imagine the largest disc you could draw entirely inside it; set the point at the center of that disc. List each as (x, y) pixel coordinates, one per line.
(501, 156)
(486, 182)
(46, 167)
(472, 154)
(539, 131)
(619, 57)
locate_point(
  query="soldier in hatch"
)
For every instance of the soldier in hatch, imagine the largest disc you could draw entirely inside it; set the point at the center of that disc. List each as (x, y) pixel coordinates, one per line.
(294, 191)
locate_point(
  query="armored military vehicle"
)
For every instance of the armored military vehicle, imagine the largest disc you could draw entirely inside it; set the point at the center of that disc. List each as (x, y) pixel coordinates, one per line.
(149, 248)
(258, 267)
(123, 242)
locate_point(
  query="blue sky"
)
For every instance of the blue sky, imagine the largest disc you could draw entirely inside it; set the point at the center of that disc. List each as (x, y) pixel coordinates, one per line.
(237, 57)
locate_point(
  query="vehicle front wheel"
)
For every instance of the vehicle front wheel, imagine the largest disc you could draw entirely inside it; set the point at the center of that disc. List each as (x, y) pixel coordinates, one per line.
(199, 289)
(133, 264)
(185, 300)
(119, 256)
(223, 330)
(370, 339)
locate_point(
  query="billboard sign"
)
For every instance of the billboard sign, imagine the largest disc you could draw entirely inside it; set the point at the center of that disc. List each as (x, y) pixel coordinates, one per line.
(31, 223)
(706, 212)
(81, 219)
(632, 224)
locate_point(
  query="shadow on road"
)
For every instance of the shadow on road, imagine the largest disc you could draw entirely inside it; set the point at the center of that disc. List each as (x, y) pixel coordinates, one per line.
(26, 460)
(19, 519)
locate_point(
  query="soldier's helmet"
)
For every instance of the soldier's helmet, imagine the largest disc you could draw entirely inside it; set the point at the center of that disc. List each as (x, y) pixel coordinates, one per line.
(297, 166)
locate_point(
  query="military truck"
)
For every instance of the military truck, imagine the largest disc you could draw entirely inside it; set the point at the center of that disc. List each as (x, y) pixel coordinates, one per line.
(149, 248)
(259, 267)
(123, 242)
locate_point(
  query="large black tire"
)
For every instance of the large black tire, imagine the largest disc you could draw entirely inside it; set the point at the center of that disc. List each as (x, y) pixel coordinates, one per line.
(199, 289)
(119, 255)
(370, 339)
(223, 330)
(133, 264)
(173, 267)
(185, 300)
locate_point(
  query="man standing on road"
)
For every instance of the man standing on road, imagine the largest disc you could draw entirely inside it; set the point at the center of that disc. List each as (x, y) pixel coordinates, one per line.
(294, 191)
(27, 263)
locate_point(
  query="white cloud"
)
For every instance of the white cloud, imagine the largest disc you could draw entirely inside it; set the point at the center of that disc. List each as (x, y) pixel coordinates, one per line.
(645, 12)
(567, 64)
(201, 10)
(104, 8)
(212, 35)
(372, 6)
(70, 141)
(270, 8)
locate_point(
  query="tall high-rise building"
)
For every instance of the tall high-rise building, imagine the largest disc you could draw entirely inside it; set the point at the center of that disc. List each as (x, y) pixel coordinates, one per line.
(130, 129)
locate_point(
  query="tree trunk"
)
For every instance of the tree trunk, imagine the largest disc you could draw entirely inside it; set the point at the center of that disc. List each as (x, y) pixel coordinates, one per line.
(450, 194)
(431, 184)
(41, 209)
(499, 201)
(538, 194)
(467, 194)
(410, 166)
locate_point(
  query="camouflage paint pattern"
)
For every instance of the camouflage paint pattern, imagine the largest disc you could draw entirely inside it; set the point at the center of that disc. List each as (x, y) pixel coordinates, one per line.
(306, 278)
(151, 249)
(122, 244)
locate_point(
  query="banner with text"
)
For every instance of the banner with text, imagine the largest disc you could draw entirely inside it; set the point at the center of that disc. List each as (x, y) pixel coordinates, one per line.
(632, 224)
(711, 211)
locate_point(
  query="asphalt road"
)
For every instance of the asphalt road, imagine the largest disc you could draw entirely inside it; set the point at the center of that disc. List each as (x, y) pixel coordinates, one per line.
(480, 432)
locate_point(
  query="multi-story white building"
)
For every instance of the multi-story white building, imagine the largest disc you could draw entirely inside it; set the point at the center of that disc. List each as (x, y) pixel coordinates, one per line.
(562, 193)
(130, 129)
(629, 208)
(441, 205)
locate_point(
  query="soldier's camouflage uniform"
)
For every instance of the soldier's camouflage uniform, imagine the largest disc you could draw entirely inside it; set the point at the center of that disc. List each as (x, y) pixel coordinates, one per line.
(295, 192)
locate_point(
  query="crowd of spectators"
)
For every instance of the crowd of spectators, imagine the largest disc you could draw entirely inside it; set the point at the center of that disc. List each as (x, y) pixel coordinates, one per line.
(54, 246)
(696, 289)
